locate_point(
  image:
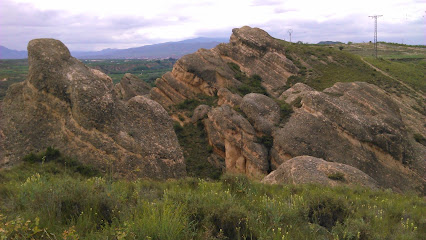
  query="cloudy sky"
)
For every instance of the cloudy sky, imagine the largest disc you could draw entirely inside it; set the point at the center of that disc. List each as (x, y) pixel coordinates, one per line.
(99, 24)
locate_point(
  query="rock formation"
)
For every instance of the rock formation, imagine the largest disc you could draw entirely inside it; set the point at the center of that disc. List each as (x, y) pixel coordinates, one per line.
(357, 124)
(131, 86)
(206, 71)
(234, 139)
(307, 169)
(76, 109)
(262, 111)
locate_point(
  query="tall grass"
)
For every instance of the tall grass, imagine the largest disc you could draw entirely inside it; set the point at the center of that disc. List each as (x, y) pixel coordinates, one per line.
(39, 203)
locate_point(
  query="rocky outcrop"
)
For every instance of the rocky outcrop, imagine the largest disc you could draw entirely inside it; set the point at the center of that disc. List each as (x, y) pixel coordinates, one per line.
(262, 111)
(206, 71)
(311, 170)
(200, 113)
(76, 109)
(356, 124)
(227, 97)
(234, 139)
(131, 86)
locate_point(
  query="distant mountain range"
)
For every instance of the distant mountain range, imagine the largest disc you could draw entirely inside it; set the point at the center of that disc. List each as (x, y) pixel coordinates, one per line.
(6, 53)
(155, 51)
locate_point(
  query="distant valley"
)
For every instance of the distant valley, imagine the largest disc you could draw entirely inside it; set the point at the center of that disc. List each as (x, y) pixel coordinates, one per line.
(155, 51)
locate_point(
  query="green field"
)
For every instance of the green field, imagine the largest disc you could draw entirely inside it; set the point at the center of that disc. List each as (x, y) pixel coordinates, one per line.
(13, 71)
(52, 197)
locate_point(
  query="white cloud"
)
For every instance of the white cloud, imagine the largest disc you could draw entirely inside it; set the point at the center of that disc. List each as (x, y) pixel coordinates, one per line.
(96, 24)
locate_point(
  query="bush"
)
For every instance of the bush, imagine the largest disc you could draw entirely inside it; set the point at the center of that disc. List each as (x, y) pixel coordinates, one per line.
(53, 155)
(419, 138)
(266, 140)
(326, 211)
(338, 176)
(285, 109)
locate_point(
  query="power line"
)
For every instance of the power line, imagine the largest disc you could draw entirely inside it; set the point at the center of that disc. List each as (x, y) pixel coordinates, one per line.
(290, 31)
(375, 31)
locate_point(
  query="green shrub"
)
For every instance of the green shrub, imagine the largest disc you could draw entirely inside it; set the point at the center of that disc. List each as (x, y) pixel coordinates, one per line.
(237, 184)
(326, 211)
(419, 138)
(285, 109)
(266, 140)
(338, 176)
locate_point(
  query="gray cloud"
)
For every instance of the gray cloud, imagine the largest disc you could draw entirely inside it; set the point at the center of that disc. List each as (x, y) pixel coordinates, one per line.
(19, 23)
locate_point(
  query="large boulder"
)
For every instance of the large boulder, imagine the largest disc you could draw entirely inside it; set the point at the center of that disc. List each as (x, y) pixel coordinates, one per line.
(67, 105)
(311, 170)
(131, 86)
(356, 124)
(262, 111)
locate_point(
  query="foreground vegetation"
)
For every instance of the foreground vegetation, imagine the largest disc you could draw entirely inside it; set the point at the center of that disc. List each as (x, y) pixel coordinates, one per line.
(47, 197)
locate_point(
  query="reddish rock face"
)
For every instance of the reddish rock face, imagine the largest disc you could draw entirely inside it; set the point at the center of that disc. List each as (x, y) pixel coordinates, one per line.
(74, 108)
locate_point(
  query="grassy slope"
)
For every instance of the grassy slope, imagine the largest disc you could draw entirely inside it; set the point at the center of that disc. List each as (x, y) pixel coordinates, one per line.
(51, 201)
(322, 66)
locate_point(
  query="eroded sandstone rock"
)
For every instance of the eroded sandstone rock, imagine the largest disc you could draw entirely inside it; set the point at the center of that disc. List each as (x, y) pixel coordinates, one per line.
(308, 170)
(206, 71)
(67, 105)
(262, 111)
(131, 86)
(356, 124)
(234, 138)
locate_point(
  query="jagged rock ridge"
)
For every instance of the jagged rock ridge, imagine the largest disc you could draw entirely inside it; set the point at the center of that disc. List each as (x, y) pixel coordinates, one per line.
(78, 110)
(206, 71)
(356, 124)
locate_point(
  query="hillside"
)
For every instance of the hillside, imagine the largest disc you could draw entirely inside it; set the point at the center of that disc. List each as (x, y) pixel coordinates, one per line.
(320, 101)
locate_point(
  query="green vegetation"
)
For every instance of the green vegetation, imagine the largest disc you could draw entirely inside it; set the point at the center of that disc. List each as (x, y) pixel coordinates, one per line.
(266, 140)
(190, 104)
(420, 139)
(48, 201)
(196, 150)
(285, 109)
(147, 70)
(338, 176)
(12, 71)
(412, 72)
(321, 66)
(251, 84)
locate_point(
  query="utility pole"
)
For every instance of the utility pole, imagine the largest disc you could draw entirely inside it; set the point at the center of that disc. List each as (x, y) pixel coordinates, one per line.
(289, 33)
(375, 32)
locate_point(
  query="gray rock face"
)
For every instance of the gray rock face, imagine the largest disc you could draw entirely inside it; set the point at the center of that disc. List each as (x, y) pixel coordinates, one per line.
(356, 124)
(262, 111)
(307, 169)
(74, 108)
(131, 86)
(235, 139)
(206, 71)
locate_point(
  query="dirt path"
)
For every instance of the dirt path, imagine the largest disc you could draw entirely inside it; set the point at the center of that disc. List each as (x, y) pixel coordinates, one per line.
(388, 75)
